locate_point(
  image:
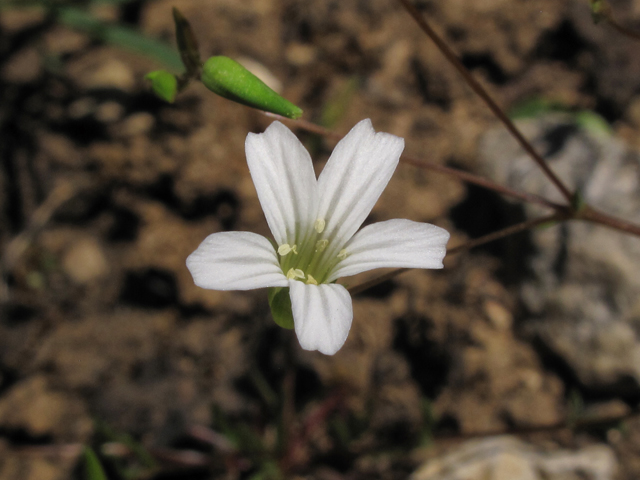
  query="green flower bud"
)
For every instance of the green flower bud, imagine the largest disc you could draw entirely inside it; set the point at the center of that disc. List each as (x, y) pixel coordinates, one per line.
(187, 44)
(163, 84)
(230, 80)
(280, 304)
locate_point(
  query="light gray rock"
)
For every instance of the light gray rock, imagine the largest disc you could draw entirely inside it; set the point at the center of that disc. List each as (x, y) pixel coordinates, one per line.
(584, 295)
(508, 458)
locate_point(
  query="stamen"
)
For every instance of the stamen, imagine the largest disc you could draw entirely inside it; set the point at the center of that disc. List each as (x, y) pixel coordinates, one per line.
(295, 273)
(284, 249)
(311, 280)
(343, 254)
(321, 245)
(319, 225)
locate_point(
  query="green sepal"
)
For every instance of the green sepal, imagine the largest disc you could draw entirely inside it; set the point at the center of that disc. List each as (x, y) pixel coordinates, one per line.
(230, 80)
(187, 44)
(163, 84)
(280, 304)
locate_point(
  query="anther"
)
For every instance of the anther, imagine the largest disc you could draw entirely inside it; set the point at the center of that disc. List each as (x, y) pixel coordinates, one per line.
(284, 249)
(343, 254)
(321, 245)
(319, 225)
(295, 273)
(311, 280)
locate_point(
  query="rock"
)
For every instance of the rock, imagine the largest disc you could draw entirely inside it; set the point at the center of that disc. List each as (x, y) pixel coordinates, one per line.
(24, 467)
(262, 72)
(25, 66)
(139, 123)
(34, 407)
(583, 298)
(96, 73)
(13, 20)
(507, 458)
(109, 112)
(62, 41)
(85, 261)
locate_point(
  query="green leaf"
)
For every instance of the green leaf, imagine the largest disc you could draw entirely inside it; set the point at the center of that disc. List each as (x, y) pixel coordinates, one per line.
(280, 304)
(593, 123)
(187, 44)
(534, 107)
(92, 467)
(120, 36)
(163, 84)
(230, 80)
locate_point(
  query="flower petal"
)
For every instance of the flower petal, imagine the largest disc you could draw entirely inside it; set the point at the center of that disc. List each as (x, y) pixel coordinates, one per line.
(235, 261)
(322, 315)
(394, 243)
(282, 172)
(357, 172)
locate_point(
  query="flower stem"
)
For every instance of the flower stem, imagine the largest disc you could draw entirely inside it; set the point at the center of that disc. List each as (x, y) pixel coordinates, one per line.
(426, 165)
(587, 213)
(484, 95)
(505, 232)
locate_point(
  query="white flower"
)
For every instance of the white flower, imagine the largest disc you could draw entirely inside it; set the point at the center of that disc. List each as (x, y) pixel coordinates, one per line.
(314, 224)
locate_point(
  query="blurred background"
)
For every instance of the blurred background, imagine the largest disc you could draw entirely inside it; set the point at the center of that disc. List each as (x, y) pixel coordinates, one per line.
(519, 360)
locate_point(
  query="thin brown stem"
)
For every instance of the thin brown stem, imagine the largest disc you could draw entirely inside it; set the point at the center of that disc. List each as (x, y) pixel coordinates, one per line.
(505, 232)
(40, 217)
(590, 214)
(602, 10)
(627, 32)
(587, 213)
(481, 181)
(482, 93)
(416, 162)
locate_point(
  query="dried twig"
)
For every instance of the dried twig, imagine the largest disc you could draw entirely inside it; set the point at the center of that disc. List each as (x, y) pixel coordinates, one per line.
(19, 244)
(425, 164)
(505, 232)
(482, 93)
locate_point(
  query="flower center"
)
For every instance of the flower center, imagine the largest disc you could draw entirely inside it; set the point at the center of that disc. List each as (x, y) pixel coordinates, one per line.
(310, 260)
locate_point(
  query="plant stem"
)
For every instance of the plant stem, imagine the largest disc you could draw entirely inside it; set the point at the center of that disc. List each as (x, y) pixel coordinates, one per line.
(623, 30)
(505, 232)
(590, 214)
(416, 162)
(482, 93)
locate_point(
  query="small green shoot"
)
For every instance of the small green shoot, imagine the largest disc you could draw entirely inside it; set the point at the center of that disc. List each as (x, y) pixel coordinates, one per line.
(92, 468)
(599, 10)
(187, 44)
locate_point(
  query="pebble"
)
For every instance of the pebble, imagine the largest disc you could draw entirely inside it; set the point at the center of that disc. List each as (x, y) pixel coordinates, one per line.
(85, 261)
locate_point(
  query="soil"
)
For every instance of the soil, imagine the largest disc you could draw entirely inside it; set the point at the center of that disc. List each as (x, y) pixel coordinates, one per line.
(105, 340)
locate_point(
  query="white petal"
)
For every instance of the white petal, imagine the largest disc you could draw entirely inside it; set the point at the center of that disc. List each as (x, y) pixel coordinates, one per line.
(283, 174)
(357, 172)
(322, 315)
(394, 243)
(235, 261)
